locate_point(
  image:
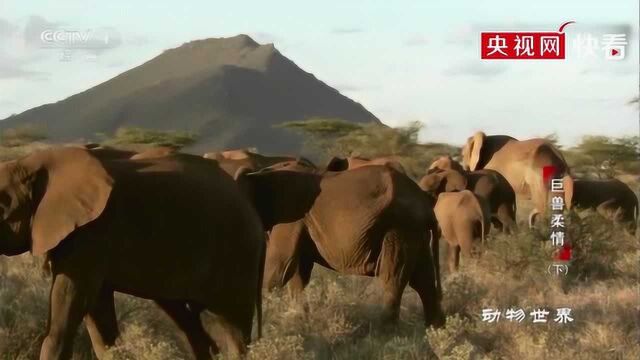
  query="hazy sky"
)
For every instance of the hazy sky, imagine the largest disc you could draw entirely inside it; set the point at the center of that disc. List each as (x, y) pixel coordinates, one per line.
(403, 60)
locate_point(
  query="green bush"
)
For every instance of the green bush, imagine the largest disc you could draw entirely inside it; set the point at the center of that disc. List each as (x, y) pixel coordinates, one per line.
(140, 136)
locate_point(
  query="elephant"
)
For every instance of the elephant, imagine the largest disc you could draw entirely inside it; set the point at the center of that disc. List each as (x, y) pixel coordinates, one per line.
(611, 198)
(175, 229)
(232, 160)
(444, 163)
(371, 221)
(521, 163)
(443, 181)
(492, 186)
(350, 163)
(463, 217)
(489, 184)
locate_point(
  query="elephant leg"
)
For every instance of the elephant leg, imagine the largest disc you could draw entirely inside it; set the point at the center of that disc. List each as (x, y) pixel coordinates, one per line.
(506, 218)
(465, 234)
(282, 254)
(70, 299)
(423, 281)
(453, 257)
(497, 223)
(229, 324)
(301, 277)
(308, 253)
(101, 322)
(188, 321)
(393, 274)
(466, 247)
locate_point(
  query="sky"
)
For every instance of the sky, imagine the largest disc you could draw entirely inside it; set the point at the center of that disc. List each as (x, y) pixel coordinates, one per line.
(403, 60)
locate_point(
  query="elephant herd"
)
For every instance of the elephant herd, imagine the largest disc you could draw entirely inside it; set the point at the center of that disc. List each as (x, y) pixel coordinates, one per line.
(202, 236)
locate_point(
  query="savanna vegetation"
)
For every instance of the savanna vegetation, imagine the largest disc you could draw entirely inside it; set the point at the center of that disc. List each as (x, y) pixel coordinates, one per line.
(338, 316)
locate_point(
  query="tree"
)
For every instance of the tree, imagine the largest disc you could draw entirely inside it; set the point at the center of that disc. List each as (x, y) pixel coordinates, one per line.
(553, 140)
(147, 137)
(335, 137)
(321, 133)
(607, 154)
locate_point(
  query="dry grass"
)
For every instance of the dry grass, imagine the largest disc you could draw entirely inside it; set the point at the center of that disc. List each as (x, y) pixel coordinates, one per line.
(338, 317)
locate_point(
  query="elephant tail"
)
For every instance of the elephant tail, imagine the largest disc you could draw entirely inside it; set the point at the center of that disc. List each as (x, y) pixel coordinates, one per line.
(434, 230)
(263, 255)
(435, 257)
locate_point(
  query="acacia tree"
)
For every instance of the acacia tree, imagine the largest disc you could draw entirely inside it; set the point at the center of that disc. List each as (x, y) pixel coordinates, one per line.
(335, 137)
(139, 137)
(606, 154)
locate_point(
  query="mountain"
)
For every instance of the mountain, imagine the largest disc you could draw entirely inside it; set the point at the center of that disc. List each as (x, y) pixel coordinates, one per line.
(230, 91)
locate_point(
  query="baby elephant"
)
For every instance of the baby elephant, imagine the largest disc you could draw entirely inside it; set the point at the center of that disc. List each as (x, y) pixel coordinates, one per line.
(488, 184)
(611, 198)
(462, 216)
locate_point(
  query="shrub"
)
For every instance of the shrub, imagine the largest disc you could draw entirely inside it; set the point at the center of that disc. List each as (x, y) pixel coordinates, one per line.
(140, 136)
(22, 135)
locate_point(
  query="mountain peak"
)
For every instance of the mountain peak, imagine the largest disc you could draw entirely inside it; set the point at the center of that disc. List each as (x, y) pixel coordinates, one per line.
(231, 91)
(238, 41)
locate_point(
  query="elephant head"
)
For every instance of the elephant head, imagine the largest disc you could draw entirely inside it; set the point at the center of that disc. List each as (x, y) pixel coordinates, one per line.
(443, 181)
(47, 195)
(479, 148)
(232, 160)
(523, 163)
(444, 163)
(350, 163)
(282, 193)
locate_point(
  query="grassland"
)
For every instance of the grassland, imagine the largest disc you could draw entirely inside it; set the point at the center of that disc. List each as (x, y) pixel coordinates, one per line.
(338, 316)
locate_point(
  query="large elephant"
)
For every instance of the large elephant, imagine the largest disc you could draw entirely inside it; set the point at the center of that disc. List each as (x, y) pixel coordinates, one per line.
(354, 162)
(462, 216)
(175, 229)
(521, 163)
(611, 198)
(371, 221)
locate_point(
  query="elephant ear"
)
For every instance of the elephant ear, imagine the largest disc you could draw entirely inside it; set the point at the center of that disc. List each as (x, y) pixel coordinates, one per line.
(338, 164)
(567, 184)
(434, 183)
(241, 178)
(73, 188)
(476, 146)
(280, 196)
(455, 181)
